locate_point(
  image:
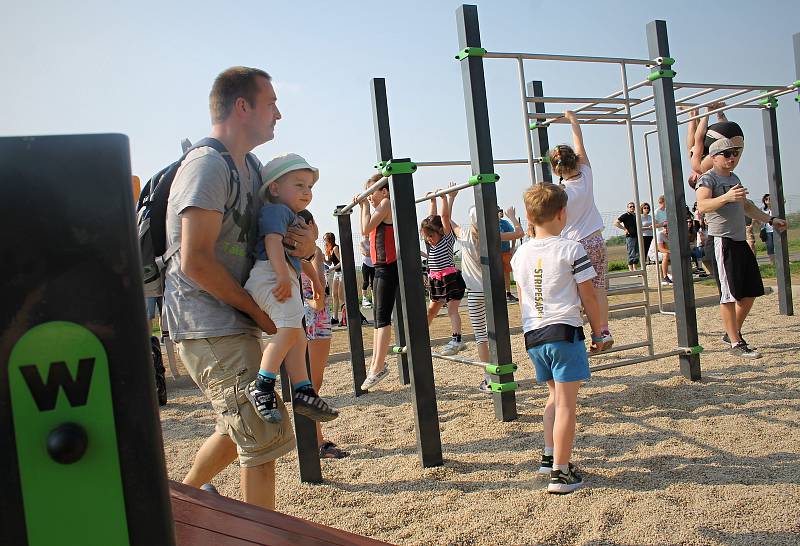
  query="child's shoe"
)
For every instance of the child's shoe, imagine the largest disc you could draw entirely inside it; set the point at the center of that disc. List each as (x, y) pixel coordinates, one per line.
(265, 403)
(307, 402)
(561, 483)
(546, 465)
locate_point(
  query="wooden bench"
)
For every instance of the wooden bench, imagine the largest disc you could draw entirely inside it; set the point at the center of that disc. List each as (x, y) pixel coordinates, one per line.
(203, 518)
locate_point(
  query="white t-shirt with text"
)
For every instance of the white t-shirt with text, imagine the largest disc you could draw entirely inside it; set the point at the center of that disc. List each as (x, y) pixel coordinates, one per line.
(547, 272)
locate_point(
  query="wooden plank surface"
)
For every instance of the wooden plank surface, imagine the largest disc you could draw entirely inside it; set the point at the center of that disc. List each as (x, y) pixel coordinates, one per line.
(203, 518)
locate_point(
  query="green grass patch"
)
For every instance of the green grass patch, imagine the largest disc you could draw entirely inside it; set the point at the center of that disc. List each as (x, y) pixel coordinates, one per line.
(618, 266)
(768, 270)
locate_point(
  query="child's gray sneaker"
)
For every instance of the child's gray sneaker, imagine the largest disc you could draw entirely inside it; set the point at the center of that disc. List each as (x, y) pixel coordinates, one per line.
(374, 379)
(742, 350)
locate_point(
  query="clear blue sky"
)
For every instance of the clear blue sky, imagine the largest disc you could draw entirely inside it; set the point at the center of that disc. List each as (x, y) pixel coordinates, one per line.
(145, 69)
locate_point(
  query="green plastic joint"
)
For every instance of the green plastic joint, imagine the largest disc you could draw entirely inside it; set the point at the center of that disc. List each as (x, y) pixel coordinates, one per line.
(537, 125)
(470, 52)
(500, 369)
(796, 84)
(486, 178)
(694, 350)
(662, 73)
(380, 165)
(769, 102)
(797, 98)
(398, 350)
(544, 159)
(667, 61)
(388, 168)
(503, 387)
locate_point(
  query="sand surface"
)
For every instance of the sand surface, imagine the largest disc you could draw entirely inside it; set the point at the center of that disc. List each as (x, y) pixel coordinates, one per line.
(665, 460)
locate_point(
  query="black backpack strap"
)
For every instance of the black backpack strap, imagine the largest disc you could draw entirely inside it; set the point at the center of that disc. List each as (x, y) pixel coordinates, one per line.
(235, 187)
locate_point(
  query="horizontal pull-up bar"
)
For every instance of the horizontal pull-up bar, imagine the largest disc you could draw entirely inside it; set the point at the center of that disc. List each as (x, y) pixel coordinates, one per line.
(585, 115)
(467, 163)
(445, 191)
(363, 195)
(618, 122)
(569, 58)
(694, 95)
(581, 100)
(785, 90)
(726, 86)
(611, 96)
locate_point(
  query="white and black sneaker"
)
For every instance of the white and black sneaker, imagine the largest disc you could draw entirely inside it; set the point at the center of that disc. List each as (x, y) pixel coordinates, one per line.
(742, 350)
(727, 340)
(561, 483)
(265, 403)
(546, 465)
(307, 402)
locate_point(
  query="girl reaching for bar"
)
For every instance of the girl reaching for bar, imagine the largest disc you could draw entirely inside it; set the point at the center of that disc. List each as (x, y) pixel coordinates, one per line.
(446, 283)
(584, 223)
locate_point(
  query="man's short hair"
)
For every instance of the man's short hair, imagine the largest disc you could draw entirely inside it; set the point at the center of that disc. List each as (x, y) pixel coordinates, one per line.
(235, 82)
(544, 201)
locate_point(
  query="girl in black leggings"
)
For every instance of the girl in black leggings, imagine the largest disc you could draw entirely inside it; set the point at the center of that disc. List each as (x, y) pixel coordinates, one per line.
(378, 226)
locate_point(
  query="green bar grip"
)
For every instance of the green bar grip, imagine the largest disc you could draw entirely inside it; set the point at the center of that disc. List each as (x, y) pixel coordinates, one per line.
(397, 350)
(658, 74)
(503, 387)
(391, 167)
(470, 52)
(486, 178)
(667, 61)
(500, 369)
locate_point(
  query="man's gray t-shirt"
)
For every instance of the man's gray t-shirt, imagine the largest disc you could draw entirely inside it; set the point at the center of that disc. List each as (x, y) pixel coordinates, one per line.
(728, 220)
(204, 181)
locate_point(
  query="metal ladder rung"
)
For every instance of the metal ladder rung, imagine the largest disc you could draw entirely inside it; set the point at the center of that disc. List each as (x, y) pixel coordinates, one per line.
(636, 360)
(621, 274)
(628, 305)
(618, 348)
(626, 289)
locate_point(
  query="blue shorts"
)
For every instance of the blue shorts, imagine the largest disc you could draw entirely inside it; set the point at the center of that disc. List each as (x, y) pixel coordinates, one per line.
(561, 361)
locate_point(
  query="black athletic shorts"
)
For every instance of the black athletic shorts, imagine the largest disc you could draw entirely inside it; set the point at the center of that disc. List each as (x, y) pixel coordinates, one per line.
(736, 270)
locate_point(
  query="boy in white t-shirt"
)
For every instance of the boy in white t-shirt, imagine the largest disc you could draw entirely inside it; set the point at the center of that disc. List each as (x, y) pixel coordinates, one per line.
(554, 276)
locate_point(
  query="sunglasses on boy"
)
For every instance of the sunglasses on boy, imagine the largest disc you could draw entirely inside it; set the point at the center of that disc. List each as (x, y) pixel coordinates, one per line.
(727, 154)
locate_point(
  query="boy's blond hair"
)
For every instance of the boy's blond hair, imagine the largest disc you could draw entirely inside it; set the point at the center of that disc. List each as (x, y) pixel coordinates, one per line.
(543, 202)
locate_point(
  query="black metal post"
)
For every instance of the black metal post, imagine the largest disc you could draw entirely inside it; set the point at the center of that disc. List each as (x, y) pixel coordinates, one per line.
(351, 300)
(413, 312)
(778, 207)
(671, 171)
(541, 144)
(400, 340)
(480, 149)
(305, 431)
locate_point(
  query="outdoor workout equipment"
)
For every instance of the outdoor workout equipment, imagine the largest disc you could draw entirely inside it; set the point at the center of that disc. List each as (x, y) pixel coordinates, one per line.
(616, 109)
(83, 457)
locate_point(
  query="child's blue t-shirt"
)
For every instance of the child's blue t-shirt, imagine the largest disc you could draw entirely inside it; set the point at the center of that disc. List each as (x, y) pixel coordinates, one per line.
(275, 218)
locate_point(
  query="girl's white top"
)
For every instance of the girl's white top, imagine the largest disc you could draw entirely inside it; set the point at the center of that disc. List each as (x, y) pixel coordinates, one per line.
(583, 218)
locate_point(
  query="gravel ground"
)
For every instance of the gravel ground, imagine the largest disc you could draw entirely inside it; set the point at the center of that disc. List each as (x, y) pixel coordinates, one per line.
(665, 460)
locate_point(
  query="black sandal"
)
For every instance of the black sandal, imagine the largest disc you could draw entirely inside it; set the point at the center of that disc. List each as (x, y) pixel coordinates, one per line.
(329, 450)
